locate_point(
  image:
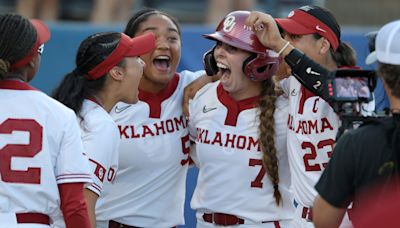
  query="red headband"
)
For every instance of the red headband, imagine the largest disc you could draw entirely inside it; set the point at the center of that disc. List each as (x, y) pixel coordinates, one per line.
(43, 35)
(301, 23)
(127, 47)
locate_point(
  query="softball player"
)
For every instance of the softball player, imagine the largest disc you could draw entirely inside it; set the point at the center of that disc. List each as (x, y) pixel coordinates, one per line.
(312, 123)
(108, 70)
(149, 189)
(238, 125)
(42, 166)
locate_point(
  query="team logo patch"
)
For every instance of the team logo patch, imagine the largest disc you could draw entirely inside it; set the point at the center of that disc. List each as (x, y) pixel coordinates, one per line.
(100, 172)
(310, 71)
(229, 23)
(205, 109)
(119, 109)
(294, 92)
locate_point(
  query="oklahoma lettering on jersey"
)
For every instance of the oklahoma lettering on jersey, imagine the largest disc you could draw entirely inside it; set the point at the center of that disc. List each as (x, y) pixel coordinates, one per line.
(40, 147)
(149, 189)
(158, 128)
(227, 140)
(312, 128)
(227, 148)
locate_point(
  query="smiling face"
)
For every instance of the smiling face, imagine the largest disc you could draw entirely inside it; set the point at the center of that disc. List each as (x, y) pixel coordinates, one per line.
(230, 61)
(161, 64)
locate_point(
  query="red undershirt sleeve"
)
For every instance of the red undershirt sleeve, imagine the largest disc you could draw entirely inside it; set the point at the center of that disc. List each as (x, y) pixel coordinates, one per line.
(73, 205)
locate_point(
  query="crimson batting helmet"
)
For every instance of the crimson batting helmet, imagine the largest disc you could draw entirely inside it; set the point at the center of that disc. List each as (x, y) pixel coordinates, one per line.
(261, 65)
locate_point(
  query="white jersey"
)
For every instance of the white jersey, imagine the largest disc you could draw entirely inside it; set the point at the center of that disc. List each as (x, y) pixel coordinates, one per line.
(40, 147)
(231, 178)
(100, 138)
(312, 128)
(149, 189)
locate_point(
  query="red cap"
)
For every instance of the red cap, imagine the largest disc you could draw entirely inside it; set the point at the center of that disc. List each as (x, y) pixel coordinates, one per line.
(310, 20)
(127, 47)
(43, 35)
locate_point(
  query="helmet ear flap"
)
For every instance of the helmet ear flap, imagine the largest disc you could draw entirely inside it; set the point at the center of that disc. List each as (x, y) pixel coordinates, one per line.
(260, 67)
(246, 70)
(210, 65)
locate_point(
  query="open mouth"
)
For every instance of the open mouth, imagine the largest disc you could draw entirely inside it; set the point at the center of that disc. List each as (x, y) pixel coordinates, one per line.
(225, 71)
(162, 62)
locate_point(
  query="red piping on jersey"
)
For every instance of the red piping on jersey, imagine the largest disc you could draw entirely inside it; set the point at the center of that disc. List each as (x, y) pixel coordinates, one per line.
(235, 107)
(15, 85)
(154, 100)
(305, 94)
(93, 99)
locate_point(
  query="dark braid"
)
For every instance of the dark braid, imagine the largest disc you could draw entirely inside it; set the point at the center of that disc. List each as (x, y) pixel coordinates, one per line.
(267, 135)
(17, 37)
(74, 88)
(141, 16)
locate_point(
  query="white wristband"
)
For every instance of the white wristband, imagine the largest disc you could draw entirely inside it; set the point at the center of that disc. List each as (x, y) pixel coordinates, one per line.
(283, 48)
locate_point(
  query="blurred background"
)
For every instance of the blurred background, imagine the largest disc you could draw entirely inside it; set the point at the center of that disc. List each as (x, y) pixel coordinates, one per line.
(348, 12)
(70, 21)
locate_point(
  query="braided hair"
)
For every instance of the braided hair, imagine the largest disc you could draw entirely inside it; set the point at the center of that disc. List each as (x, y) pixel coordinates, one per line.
(75, 87)
(17, 37)
(267, 135)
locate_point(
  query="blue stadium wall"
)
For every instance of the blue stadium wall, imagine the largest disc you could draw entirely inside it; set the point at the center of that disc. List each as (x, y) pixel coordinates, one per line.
(59, 56)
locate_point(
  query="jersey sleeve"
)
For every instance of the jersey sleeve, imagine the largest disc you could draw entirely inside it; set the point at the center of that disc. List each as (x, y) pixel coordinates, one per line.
(72, 165)
(336, 182)
(190, 76)
(101, 146)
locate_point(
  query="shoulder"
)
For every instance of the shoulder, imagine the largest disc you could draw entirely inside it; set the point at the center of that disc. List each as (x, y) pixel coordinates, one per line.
(364, 138)
(207, 90)
(95, 118)
(187, 76)
(56, 109)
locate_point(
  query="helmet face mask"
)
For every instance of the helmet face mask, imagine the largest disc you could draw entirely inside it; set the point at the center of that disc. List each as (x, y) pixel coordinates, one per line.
(262, 64)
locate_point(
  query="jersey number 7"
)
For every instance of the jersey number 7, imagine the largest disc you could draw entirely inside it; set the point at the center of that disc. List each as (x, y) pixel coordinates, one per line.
(35, 130)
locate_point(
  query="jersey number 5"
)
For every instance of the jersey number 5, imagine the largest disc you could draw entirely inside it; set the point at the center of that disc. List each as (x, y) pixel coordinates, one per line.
(35, 130)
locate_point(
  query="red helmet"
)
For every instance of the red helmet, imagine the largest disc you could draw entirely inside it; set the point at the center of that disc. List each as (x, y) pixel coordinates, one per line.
(230, 30)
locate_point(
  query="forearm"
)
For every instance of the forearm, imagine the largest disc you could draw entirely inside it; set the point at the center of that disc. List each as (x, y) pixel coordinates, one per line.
(91, 199)
(326, 215)
(310, 74)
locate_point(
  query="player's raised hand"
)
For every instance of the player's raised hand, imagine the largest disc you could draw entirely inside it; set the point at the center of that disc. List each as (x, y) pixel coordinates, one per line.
(266, 30)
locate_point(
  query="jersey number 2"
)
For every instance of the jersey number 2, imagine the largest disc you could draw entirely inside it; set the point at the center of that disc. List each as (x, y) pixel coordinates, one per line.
(31, 175)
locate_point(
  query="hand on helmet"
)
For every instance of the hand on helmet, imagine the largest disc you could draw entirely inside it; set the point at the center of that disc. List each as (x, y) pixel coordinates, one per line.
(266, 29)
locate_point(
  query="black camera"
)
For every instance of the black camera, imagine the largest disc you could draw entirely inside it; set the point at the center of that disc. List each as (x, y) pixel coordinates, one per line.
(351, 85)
(349, 91)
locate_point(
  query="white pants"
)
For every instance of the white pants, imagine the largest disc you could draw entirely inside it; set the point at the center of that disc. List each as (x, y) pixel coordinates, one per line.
(283, 224)
(300, 222)
(203, 224)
